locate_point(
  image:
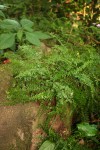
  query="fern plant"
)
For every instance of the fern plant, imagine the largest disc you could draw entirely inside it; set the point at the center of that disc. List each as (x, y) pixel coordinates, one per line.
(70, 77)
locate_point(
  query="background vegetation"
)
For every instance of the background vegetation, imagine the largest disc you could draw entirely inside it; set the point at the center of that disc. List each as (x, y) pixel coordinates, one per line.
(64, 76)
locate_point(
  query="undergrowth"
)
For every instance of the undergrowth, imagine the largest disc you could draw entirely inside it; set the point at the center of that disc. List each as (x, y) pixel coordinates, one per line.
(67, 76)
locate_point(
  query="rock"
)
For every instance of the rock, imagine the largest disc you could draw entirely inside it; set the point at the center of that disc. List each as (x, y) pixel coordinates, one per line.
(58, 125)
(15, 126)
(37, 137)
(37, 132)
(19, 123)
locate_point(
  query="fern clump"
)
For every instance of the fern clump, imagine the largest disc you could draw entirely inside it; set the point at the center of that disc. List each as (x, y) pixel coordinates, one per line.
(70, 77)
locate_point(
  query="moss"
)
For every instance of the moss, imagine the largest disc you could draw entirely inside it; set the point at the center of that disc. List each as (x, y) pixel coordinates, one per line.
(5, 81)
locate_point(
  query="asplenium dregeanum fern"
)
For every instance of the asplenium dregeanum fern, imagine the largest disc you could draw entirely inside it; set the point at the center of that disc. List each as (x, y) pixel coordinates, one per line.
(67, 75)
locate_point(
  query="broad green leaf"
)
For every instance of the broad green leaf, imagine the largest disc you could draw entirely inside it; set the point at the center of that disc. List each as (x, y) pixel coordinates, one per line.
(42, 35)
(9, 24)
(27, 24)
(19, 34)
(47, 145)
(31, 37)
(2, 14)
(7, 40)
(28, 29)
(87, 129)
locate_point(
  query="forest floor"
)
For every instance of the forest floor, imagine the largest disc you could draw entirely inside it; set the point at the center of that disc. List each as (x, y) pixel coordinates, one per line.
(18, 123)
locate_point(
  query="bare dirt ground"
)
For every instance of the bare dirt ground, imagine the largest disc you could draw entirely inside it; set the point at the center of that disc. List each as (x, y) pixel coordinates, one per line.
(19, 123)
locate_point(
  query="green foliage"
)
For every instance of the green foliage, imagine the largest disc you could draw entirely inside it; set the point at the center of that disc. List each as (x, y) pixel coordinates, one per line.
(69, 33)
(87, 130)
(26, 8)
(2, 7)
(7, 40)
(70, 76)
(15, 32)
(87, 134)
(47, 145)
(2, 14)
(69, 144)
(85, 10)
